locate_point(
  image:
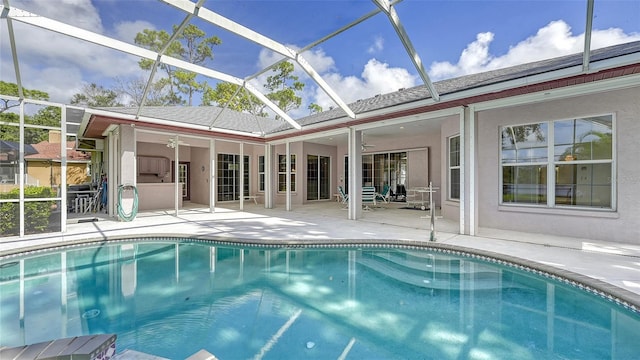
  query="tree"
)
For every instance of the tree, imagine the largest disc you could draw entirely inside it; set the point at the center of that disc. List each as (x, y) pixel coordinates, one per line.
(94, 95)
(46, 116)
(283, 87)
(234, 98)
(314, 108)
(11, 89)
(133, 89)
(191, 46)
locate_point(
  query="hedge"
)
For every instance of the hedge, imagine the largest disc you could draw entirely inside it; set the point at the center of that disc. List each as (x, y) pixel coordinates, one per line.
(36, 214)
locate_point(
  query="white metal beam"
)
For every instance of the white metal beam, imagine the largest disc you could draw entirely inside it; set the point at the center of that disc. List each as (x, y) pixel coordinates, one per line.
(152, 74)
(78, 33)
(388, 9)
(586, 55)
(12, 40)
(229, 25)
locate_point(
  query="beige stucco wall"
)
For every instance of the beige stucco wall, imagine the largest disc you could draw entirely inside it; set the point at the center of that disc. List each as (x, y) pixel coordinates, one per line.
(199, 185)
(45, 172)
(622, 224)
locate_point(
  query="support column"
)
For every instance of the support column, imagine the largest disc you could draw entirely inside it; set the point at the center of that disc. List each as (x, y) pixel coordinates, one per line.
(355, 174)
(268, 176)
(126, 163)
(288, 180)
(471, 186)
(242, 194)
(464, 116)
(212, 175)
(177, 191)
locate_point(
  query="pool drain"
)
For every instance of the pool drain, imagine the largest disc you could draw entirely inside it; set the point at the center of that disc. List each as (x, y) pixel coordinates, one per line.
(9, 264)
(90, 314)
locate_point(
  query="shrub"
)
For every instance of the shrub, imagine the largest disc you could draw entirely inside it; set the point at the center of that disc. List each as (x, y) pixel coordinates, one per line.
(36, 214)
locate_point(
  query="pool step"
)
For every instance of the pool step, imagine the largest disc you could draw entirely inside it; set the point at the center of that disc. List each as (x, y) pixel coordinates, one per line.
(136, 355)
(202, 355)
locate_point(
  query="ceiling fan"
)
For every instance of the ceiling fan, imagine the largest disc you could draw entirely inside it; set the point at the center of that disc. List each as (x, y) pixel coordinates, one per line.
(173, 143)
(365, 146)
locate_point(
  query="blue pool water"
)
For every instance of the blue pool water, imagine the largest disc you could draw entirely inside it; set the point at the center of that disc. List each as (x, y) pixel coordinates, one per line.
(173, 298)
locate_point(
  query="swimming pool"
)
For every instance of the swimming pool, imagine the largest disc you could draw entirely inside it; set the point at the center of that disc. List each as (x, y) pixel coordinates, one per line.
(173, 297)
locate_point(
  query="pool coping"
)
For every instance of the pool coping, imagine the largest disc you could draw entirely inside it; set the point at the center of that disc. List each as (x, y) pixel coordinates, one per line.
(607, 291)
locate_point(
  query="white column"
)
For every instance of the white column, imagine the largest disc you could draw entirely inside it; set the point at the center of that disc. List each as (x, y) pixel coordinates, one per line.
(463, 116)
(268, 176)
(63, 170)
(288, 180)
(177, 191)
(21, 169)
(355, 174)
(242, 194)
(473, 187)
(212, 175)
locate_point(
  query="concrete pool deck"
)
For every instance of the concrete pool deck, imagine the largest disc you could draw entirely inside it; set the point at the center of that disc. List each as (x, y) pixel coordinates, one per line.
(611, 267)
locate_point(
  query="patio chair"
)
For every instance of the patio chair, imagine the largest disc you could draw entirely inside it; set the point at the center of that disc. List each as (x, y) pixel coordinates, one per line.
(368, 197)
(344, 198)
(384, 195)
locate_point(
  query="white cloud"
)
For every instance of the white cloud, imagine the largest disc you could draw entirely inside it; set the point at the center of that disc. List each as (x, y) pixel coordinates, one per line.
(377, 46)
(553, 40)
(80, 13)
(376, 78)
(60, 64)
(127, 30)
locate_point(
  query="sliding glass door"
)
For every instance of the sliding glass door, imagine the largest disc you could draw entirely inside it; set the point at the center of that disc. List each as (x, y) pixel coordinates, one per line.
(229, 177)
(318, 177)
(385, 169)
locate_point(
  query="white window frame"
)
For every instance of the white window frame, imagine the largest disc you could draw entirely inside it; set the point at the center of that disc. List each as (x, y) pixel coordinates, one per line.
(281, 185)
(450, 168)
(551, 164)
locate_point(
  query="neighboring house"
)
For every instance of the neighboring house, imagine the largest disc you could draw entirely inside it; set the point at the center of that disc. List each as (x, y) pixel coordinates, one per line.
(547, 147)
(43, 168)
(9, 157)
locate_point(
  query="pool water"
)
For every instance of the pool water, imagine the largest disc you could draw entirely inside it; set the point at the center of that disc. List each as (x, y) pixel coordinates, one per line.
(171, 299)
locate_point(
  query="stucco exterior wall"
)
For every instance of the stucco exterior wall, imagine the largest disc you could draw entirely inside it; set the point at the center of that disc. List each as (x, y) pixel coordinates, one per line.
(46, 172)
(199, 185)
(621, 224)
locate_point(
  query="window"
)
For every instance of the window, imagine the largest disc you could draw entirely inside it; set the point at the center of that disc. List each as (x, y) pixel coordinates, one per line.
(282, 173)
(454, 167)
(559, 163)
(261, 173)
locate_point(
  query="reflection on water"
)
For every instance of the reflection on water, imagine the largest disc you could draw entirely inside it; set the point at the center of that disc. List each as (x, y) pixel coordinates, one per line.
(173, 299)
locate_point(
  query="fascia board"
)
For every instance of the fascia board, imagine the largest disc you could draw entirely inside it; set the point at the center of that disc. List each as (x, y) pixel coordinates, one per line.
(600, 86)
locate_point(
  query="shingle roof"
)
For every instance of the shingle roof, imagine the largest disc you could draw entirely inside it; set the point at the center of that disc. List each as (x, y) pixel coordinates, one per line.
(204, 115)
(51, 151)
(232, 120)
(467, 82)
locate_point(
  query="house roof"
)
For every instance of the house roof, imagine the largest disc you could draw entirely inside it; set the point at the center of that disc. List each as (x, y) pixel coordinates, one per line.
(207, 116)
(242, 122)
(14, 147)
(51, 151)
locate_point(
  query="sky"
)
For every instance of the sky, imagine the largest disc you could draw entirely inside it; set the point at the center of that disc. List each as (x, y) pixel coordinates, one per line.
(452, 38)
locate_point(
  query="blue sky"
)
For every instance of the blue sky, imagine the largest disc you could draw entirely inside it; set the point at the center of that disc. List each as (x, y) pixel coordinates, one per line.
(453, 38)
